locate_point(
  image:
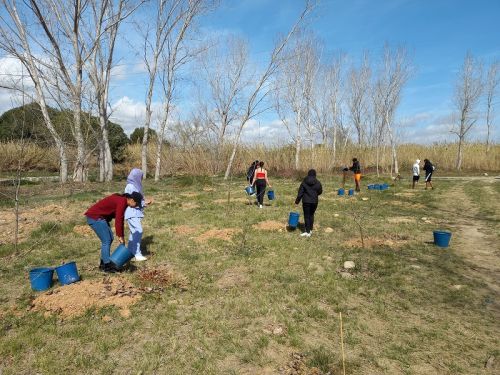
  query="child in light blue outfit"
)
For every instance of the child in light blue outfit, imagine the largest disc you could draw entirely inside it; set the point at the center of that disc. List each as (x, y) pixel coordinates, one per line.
(134, 215)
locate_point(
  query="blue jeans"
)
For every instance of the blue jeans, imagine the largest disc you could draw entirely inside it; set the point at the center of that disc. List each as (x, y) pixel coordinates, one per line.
(103, 231)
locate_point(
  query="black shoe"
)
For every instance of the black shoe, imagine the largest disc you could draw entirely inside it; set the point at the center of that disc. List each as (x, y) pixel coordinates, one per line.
(101, 266)
(110, 268)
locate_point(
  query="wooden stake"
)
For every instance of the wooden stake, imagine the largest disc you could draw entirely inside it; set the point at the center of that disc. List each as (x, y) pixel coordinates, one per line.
(342, 342)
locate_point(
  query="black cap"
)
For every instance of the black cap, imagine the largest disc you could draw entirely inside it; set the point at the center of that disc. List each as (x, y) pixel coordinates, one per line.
(137, 197)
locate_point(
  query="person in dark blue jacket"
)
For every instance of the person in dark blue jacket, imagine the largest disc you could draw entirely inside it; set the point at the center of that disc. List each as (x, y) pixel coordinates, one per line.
(309, 191)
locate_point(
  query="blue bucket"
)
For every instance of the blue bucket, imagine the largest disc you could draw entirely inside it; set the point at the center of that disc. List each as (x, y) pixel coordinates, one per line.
(250, 190)
(67, 273)
(41, 278)
(442, 238)
(340, 191)
(121, 256)
(384, 187)
(293, 219)
(370, 187)
(376, 187)
(270, 195)
(351, 191)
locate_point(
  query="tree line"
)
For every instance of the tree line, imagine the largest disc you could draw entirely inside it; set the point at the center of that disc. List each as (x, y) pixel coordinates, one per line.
(67, 48)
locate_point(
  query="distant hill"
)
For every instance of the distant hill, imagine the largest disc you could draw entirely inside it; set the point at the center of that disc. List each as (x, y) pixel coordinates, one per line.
(27, 122)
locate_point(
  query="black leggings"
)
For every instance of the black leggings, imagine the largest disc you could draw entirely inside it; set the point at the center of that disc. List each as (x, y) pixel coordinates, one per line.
(261, 190)
(309, 210)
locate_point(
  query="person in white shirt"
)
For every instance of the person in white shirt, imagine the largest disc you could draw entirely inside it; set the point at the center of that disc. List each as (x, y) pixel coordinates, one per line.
(416, 173)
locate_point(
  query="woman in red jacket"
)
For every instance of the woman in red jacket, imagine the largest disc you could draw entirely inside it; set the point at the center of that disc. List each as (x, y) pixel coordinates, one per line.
(100, 215)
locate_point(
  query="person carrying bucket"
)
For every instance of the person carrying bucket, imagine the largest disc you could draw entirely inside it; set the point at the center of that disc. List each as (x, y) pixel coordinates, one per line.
(260, 180)
(428, 168)
(251, 172)
(134, 215)
(99, 216)
(356, 169)
(309, 191)
(416, 173)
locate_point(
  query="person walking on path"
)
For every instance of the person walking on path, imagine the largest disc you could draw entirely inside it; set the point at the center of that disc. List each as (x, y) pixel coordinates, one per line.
(428, 168)
(134, 215)
(309, 190)
(416, 173)
(100, 215)
(251, 172)
(356, 169)
(260, 180)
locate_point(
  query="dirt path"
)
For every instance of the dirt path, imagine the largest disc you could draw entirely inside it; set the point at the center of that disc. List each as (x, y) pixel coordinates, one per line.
(472, 239)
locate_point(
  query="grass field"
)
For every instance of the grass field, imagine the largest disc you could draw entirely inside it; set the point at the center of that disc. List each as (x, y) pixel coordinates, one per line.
(245, 296)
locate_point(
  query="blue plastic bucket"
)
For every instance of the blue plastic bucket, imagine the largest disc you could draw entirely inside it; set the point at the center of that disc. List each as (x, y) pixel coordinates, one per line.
(121, 255)
(41, 278)
(340, 191)
(293, 219)
(270, 195)
(370, 187)
(376, 187)
(384, 187)
(250, 190)
(442, 238)
(351, 191)
(67, 273)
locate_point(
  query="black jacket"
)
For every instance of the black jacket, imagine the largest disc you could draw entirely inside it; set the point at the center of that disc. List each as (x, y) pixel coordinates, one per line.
(356, 168)
(309, 190)
(428, 167)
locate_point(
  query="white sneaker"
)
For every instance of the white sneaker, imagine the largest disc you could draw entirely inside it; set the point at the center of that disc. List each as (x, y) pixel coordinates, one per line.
(305, 234)
(139, 258)
(260, 206)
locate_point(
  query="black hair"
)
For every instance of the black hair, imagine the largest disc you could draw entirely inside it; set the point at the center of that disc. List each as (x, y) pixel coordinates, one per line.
(261, 164)
(312, 172)
(354, 159)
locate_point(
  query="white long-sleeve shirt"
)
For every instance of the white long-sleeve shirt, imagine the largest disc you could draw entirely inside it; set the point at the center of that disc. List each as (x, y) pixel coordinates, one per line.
(416, 169)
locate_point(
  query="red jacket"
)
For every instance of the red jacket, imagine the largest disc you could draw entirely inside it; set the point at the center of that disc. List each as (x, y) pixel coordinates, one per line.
(112, 207)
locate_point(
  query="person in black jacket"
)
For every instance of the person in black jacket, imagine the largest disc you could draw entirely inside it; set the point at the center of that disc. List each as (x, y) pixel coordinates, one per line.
(309, 191)
(428, 168)
(356, 169)
(251, 172)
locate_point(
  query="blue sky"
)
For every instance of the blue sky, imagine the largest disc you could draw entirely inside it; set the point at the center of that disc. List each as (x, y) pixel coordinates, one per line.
(437, 33)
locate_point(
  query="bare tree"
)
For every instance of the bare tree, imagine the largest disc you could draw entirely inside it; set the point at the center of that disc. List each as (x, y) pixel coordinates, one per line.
(492, 82)
(107, 17)
(17, 40)
(294, 91)
(358, 98)
(468, 90)
(176, 54)
(393, 74)
(225, 70)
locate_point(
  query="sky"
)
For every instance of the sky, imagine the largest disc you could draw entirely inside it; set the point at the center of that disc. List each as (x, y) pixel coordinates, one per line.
(437, 34)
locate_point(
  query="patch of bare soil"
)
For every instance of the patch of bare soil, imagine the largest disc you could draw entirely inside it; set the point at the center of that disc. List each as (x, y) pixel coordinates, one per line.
(220, 234)
(405, 194)
(270, 225)
(161, 277)
(30, 219)
(401, 220)
(73, 300)
(394, 241)
(206, 188)
(189, 194)
(83, 230)
(297, 366)
(233, 277)
(189, 205)
(185, 230)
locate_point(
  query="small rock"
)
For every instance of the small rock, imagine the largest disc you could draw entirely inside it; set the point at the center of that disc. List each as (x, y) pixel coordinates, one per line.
(417, 267)
(349, 264)
(278, 331)
(336, 215)
(457, 287)
(364, 199)
(486, 174)
(489, 363)
(328, 230)
(107, 318)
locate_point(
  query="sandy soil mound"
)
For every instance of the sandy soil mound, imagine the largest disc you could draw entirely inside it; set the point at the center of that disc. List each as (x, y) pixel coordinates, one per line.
(73, 300)
(392, 241)
(233, 277)
(84, 230)
(31, 219)
(220, 234)
(163, 276)
(297, 366)
(270, 225)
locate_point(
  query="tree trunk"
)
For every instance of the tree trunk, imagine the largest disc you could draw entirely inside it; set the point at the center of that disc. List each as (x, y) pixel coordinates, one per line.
(144, 149)
(102, 166)
(459, 154)
(297, 152)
